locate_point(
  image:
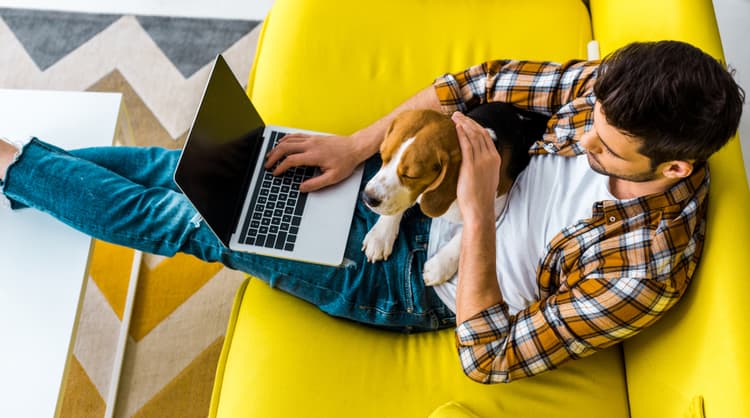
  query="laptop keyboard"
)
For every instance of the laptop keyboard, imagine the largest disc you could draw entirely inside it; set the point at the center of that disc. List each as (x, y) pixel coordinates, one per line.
(275, 211)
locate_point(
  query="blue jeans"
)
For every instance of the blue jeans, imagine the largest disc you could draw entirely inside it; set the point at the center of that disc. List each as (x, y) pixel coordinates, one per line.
(127, 196)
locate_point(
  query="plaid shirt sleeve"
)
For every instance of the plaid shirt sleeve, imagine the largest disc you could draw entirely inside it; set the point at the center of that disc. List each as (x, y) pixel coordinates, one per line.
(496, 347)
(562, 91)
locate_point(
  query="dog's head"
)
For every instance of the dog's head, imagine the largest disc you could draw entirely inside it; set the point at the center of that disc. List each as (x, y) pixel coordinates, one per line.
(421, 159)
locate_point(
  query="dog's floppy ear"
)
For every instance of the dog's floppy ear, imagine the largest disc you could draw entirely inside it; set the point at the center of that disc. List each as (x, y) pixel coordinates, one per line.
(439, 195)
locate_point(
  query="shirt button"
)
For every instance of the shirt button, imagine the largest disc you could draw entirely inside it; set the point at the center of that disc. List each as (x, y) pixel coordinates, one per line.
(612, 219)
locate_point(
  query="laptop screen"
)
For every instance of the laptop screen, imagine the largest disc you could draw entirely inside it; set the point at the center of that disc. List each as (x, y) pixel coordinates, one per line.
(221, 151)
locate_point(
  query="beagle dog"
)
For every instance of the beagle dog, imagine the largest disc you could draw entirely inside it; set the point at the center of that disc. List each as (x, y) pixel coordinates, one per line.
(421, 160)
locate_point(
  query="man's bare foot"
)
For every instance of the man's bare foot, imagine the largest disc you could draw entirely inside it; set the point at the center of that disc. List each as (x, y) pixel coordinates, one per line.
(7, 154)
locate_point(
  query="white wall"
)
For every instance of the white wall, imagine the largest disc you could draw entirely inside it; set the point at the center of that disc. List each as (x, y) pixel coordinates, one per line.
(733, 17)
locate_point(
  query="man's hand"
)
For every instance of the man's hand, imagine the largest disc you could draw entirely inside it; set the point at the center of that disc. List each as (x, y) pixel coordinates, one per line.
(477, 188)
(480, 170)
(336, 156)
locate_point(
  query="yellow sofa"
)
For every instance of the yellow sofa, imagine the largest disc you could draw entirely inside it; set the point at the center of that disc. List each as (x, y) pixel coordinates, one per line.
(336, 66)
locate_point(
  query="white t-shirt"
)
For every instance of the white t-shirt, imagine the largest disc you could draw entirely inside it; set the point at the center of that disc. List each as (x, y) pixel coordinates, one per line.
(552, 193)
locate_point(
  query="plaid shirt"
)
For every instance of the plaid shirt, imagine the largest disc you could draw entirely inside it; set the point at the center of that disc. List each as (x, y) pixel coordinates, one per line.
(600, 280)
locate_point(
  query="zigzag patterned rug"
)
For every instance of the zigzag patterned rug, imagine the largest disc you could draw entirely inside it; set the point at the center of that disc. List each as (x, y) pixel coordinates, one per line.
(160, 65)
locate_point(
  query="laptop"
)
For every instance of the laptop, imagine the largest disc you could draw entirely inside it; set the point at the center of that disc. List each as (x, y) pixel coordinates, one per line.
(221, 173)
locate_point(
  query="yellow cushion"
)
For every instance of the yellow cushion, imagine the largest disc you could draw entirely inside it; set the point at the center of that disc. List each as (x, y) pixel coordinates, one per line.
(336, 66)
(701, 347)
(284, 358)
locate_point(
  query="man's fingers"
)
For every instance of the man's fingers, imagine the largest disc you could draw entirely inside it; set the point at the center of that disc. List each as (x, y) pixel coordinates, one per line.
(273, 157)
(294, 135)
(291, 161)
(466, 145)
(465, 142)
(317, 182)
(477, 137)
(284, 150)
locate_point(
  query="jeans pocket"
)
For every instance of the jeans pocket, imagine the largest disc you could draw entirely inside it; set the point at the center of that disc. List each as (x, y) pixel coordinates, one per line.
(413, 283)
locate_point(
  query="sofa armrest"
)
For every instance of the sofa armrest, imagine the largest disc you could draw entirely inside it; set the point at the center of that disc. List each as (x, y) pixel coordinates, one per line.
(618, 23)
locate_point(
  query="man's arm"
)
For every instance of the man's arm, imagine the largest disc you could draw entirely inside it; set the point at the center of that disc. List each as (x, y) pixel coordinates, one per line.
(338, 156)
(477, 186)
(541, 87)
(496, 347)
(562, 91)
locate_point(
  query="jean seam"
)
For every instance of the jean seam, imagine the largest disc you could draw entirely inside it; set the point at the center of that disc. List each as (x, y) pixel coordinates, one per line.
(392, 313)
(408, 286)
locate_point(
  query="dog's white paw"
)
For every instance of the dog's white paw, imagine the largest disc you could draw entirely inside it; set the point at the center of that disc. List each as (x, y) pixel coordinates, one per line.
(443, 265)
(438, 270)
(378, 243)
(376, 246)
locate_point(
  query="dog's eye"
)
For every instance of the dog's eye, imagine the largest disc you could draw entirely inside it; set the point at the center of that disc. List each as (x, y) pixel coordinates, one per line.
(408, 177)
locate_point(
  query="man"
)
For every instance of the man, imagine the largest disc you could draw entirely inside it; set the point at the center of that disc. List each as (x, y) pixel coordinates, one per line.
(592, 247)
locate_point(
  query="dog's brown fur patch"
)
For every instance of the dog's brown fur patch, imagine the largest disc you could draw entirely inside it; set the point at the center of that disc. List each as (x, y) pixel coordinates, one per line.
(430, 165)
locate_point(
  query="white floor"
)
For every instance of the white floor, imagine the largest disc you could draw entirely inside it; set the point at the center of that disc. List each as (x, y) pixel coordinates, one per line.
(733, 17)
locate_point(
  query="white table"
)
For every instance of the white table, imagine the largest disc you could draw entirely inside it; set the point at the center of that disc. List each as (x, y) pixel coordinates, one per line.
(43, 262)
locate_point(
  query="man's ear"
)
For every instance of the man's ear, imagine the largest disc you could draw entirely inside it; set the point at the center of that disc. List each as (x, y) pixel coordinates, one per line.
(439, 195)
(676, 169)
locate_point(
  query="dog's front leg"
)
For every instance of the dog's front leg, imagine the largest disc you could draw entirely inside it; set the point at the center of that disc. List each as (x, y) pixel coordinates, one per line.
(443, 265)
(378, 242)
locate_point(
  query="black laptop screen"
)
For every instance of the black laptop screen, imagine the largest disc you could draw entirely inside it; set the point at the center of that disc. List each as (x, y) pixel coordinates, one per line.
(221, 152)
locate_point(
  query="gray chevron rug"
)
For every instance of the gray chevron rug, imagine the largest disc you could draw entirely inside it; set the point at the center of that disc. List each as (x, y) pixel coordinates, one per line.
(160, 65)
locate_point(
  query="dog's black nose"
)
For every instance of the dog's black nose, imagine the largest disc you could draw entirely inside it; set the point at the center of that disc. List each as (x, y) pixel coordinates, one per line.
(371, 201)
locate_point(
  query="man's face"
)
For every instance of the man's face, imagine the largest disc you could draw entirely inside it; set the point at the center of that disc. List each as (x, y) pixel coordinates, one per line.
(613, 153)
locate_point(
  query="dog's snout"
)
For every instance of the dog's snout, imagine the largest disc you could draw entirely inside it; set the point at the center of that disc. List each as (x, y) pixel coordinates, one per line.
(371, 200)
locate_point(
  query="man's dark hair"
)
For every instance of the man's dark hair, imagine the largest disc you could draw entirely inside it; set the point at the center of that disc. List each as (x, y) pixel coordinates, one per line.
(679, 100)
